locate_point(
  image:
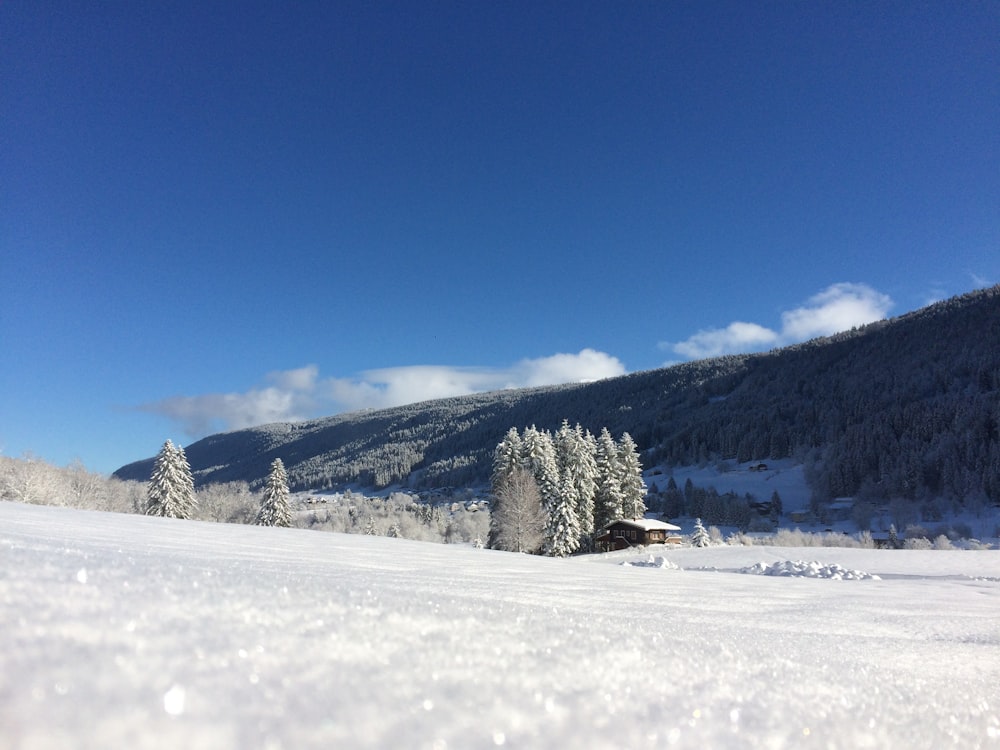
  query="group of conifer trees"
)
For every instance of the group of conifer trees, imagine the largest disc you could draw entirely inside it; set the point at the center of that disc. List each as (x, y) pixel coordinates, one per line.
(551, 493)
(171, 489)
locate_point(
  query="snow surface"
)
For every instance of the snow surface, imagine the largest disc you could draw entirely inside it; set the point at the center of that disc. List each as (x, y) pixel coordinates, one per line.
(814, 569)
(126, 631)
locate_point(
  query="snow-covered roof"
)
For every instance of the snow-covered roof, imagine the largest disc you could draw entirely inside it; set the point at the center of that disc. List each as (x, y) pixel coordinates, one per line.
(648, 524)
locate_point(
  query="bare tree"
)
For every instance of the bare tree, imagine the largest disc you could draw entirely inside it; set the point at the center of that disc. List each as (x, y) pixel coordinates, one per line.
(87, 489)
(31, 480)
(517, 520)
(227, 502)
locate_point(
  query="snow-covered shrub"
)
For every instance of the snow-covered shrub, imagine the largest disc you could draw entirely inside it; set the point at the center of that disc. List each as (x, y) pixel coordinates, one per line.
(836, 539)
(918, 543)
(226, 502)
(739, 539)
(975, 544)
(943, 542)
(715, 535)
(794, 538)
(799, 538)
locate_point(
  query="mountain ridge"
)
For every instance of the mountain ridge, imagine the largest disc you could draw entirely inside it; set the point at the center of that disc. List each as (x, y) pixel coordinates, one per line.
(907, 406)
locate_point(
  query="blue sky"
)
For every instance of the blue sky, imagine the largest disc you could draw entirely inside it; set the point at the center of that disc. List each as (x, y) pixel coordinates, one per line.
(213, 217)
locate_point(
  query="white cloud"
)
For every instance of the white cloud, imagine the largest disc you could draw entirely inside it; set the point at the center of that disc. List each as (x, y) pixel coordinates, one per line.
(395, 386)
(289, 398)
(298, 394)
(302, 379)
(584, 367)
(837, 308)
(736, 337)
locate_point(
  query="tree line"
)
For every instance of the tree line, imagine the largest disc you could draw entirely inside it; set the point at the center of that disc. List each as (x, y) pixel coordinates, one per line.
(452, 517)
(171, 494)
(553, 492)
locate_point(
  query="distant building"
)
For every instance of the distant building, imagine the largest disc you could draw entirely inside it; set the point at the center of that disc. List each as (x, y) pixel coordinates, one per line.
(636, 533)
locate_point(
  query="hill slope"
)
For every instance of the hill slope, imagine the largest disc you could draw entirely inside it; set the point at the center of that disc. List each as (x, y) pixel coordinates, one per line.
(908, 407)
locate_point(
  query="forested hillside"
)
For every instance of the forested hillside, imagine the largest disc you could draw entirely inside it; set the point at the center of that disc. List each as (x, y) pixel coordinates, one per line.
(903, 408)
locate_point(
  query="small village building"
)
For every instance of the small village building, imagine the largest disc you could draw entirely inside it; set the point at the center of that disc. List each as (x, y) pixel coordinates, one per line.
(636, 532)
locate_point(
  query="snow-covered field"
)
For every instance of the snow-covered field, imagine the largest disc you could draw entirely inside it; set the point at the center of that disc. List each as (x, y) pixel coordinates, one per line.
(125, 631)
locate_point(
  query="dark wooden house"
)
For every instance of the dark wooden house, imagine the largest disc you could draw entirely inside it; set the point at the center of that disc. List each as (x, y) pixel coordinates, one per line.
(636, 532)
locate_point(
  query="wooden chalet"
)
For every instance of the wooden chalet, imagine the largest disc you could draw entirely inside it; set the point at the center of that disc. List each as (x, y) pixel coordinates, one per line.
(636, 532)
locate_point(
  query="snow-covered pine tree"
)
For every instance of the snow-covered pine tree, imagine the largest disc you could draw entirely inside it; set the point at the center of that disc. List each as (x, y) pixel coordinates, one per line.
(578, 472)
(562, 532)
(187, 481)
(586, 482)
(608, 493)
(171, 486)
(539, 456)
(274, 508)
(700, 537)
(507, 458)
(633, 488)
(370, 528)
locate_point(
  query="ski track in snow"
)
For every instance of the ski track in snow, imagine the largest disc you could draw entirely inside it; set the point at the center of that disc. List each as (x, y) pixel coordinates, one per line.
(127, 631)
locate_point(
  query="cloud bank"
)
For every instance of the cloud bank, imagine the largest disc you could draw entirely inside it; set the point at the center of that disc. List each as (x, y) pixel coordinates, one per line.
(837, 308)
(294, 395)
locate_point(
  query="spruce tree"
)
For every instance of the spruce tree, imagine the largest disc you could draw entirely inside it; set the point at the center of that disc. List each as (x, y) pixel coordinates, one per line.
(608, 494)
(577, 476)
(585, 479)
(274, 508)
(562, 533)
(700, 537)
(171, 486)
(633, 488)
(507, 458)
(539, 457)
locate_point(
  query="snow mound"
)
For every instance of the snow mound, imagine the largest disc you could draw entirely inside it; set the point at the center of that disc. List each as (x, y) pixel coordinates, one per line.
(800, 569)
(652, 562)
